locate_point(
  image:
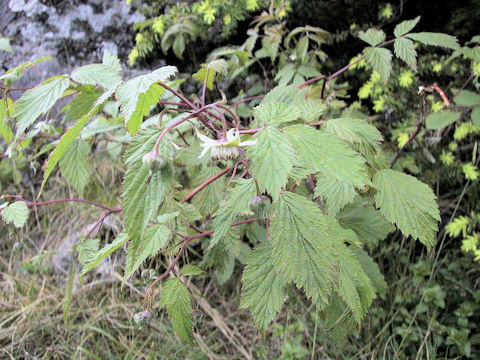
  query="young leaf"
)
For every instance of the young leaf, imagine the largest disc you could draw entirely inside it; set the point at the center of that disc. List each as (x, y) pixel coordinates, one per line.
(237, 202)
(176, 298)
(380, 59)
(16, 213)
(405, 50)
(262, 286)
(435, 39)
(439, 120)
(302, 246)
(372, 37)
(328, 154)
(276, 113)
(405, 27)
(271, 160)
(94, 258)
(408, 203)
(39, 101)
(74, 166)
(144, 246)
(136, 96)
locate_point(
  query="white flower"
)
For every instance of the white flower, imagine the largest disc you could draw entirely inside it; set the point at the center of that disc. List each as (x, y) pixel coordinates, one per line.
(225, 148)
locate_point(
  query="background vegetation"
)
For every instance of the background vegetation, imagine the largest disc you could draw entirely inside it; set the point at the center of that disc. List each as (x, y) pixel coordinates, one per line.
(430, 306)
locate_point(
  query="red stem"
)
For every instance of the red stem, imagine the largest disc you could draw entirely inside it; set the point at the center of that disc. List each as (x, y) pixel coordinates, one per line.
(205, 183)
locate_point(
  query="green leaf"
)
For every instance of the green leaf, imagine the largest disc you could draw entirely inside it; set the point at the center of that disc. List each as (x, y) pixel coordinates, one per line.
(334, 193)
(97, 74)
(439, 120)
(435, 39)
(371, 269)
(93, 258)
(141, 199)
(87, 250)
(372, 37)
(285, 94)
(112, 61)
(405, 50)
(380, 59)
(6, 108)
(82, 103)
(16, 213)
(355, 131)
(476, 116)
(328, 154)
(137, 95)
(237, 202)
(5, 45)
(145, 246)
(18, 71)
(405, 27)
(467, 98)
(192, 270)
(179, 46)
(74, 165)
(38, 101)
(408, 203)
(271, 160)
(176, 298)
(311, 109)
(353, 284)
(367, 223)
(302, 246)
(208, 199)
(276, 113)
(262, 286)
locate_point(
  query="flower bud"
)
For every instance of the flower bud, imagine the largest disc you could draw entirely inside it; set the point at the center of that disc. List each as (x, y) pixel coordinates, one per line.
(154, 162)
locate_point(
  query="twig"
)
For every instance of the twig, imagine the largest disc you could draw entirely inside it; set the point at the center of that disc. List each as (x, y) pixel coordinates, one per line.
(205, 183)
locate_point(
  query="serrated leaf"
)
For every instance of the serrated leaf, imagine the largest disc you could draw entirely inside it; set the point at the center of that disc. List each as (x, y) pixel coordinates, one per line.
(371, 269)
(74, 165)
(271, 160)
(467, 98)
(435, 39)
(408, 203)
(405, 27)
(145, 246)
(380, 59)
(176, 298)
(302, 246)
(208, 199)
(141, 199)
(328, 154)
(355, 131)
(334, 193)
(284, 94)
(311, 109)
(367, 223)
(97, 74)
(276, 113)
(16, 213)
(262, 286)
(439, 120)
(405, 50)
(6, 108)
(236, 202)
(112, 61)
(192, 270)
(372, 37)
(92, 259)
(18, 71)
(82, 103)
(38, 101)
(87, 250)
(136, 96)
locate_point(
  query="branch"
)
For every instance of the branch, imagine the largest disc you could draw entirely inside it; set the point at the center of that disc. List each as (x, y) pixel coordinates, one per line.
(205, 183)
(18, 197)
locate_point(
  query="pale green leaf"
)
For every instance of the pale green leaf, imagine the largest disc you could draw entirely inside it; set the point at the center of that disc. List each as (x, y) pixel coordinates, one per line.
(405, 50)
(284, 94)
(408, 203)
(5, 45)
(38, 101)
(16, 213)
(237, 202)
(87, 250)
(192, 270)
(476, 116)
(6, 109)
(271, 160)
(372, 37)
(380, 59)
(134, 106)
(176, 298)
(207, 199)
(371, 269)
(311, 109)
(276, 113)
(93, 258)
(435, 39)
(334, 193)
(82, 104)
(74, 165)
(467, 98)
(405, 27)
(262, 286)
(439, 120)
(97, 74)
